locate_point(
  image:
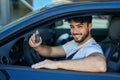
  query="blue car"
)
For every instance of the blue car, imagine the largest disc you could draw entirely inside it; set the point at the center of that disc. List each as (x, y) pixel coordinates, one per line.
(16, 56)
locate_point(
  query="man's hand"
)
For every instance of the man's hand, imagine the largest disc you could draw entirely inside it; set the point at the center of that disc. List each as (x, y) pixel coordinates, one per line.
(49, 64)
(93, 63)
(32, 40)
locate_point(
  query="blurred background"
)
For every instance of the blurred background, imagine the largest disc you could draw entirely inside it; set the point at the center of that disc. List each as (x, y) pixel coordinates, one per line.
(11, 10)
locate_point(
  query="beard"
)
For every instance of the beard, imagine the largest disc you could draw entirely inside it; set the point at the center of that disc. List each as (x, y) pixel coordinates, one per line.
(83, 37)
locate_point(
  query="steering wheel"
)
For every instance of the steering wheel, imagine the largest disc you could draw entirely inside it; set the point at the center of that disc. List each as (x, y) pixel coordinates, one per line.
(30, 54)
(64, 38)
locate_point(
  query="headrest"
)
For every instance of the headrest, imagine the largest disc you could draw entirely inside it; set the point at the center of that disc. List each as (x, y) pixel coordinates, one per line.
(114, 30)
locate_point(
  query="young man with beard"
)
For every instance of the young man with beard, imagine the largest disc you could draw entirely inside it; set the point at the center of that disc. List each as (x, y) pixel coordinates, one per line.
(88, 55)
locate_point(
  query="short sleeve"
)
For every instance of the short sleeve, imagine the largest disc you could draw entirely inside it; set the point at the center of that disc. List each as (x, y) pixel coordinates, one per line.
(69, 46)
(92, 49)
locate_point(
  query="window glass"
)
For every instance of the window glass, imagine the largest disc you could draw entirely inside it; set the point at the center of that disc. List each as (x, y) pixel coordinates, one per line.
(62, 24)
(0, 17)
(18, 9)
(100, 22)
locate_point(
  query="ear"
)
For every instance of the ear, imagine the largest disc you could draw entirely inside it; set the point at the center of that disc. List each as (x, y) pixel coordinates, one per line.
(90, 26)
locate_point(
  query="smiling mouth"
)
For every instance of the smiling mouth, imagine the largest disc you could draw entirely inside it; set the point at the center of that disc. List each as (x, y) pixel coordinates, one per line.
(77, 35)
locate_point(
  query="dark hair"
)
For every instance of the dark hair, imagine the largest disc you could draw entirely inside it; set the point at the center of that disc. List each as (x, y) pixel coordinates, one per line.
(81, 19)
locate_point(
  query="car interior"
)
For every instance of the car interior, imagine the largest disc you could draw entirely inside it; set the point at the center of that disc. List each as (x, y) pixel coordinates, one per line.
(112, 54)
(18, 52)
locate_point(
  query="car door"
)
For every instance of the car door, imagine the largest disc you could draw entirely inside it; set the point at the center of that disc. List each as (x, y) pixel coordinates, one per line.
(23, 73)
(24, 27)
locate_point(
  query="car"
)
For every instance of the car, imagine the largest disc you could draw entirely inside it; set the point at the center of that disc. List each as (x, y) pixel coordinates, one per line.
(16, 56)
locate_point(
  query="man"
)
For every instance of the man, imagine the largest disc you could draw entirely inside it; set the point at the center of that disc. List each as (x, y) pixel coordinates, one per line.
(88, 55)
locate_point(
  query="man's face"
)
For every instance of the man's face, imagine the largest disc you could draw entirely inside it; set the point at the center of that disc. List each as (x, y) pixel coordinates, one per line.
(80, 31)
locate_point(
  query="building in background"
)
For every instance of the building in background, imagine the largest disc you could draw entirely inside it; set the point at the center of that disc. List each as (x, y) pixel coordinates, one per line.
(11, 10)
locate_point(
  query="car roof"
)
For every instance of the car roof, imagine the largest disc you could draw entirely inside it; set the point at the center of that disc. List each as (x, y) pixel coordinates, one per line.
(69, 2)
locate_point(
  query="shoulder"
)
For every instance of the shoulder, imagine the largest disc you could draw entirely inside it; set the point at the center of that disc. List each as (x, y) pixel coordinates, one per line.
(91, 43)
(70, 43)
(92, 47)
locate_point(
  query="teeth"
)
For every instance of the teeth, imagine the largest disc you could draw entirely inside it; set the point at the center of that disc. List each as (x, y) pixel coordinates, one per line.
(76, 35)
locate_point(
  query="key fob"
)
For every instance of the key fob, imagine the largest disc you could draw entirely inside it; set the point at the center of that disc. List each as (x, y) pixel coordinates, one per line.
(37, 38)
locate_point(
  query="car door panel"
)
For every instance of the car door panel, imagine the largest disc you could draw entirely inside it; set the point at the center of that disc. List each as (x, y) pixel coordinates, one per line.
(23, 73)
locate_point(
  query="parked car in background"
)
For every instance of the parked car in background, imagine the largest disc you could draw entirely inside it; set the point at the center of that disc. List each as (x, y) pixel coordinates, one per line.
(16, 56)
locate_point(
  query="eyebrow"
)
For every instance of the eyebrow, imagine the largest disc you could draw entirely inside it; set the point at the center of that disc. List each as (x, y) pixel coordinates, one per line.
(80, 24)
(77, 24)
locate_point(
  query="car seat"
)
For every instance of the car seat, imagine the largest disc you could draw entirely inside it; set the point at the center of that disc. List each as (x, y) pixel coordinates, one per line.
(112, 53)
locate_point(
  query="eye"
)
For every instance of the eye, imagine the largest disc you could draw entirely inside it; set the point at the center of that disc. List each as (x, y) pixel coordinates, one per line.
(71, 26)
(79, 26)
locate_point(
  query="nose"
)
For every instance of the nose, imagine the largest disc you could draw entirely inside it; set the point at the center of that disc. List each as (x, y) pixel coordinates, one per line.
(74, 30)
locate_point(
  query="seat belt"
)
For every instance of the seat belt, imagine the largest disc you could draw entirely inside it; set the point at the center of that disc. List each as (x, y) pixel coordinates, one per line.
(71, 56)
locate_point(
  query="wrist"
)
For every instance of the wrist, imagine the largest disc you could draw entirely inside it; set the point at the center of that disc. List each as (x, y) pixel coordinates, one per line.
(59, 63)
(37, 47)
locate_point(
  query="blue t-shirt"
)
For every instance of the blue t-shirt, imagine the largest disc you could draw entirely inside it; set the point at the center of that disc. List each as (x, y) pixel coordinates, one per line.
(84, 50)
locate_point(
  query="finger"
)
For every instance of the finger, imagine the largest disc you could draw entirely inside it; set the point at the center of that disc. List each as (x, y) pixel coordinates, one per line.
(40, 40)
(31, 38)
(31, 43)
(38, 65)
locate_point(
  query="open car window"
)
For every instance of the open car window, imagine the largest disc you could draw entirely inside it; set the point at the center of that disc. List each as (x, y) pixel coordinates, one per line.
(99, 22)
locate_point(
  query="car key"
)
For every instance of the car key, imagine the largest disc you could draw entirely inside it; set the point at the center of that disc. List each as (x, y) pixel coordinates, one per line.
(37, 37)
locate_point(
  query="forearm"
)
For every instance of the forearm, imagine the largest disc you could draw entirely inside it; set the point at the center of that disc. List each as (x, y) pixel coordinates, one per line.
(90, 64)
(50, 51)
(43, 50)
